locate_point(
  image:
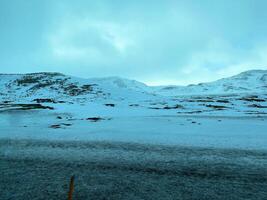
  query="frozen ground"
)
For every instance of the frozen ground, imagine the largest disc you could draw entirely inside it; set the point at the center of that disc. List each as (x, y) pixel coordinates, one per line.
(125, 140)
(133, 157)
(241, 132)
(115, 170)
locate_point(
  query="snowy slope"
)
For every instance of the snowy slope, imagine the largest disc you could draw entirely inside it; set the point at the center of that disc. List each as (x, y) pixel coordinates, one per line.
(110, 126)
(253, 81)
(55, 85)
(53, 106)
(243, 94)
(27, 87)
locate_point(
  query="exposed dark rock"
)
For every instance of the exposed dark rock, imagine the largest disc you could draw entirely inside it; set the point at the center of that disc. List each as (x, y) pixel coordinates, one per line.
(66, 124)
(256, 106)
(110, 104)
(7, 101)
(134, 105)
(25, 106)
(94, 119)
(28, 79)
(218, 107)
(55, 126)
(44, 100)
(223, 101)
(177, 106)
(252, 98)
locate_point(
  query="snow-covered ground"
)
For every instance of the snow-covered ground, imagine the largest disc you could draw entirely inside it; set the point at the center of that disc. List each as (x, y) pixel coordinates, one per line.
(119, 127)
(197, 131)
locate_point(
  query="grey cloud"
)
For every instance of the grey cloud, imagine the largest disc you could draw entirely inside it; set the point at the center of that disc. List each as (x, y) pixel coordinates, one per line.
(156, 42)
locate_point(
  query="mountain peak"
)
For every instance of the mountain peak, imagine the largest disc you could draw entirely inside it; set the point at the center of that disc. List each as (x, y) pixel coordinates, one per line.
(47, 84)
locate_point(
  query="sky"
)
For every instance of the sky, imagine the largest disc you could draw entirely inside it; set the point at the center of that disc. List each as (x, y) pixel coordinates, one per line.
(158, 42)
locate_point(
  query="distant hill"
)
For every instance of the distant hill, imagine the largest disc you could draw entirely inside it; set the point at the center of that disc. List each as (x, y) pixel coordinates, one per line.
(245, 82)
(19, 87)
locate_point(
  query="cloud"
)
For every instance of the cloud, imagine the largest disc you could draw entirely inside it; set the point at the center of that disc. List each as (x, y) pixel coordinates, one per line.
(84, 39)
(221, 59)
(163, 42)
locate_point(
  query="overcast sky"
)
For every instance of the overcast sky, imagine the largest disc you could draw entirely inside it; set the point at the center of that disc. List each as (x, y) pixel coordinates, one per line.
(153, 41)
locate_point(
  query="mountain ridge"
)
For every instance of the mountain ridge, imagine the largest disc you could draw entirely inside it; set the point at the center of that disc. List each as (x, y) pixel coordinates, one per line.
(224, 85)
(60, 86)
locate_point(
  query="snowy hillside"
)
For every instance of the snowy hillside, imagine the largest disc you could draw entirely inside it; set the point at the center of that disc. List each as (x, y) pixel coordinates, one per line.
(247, 82)
(27, 87)
(243, 94)
(61, 87)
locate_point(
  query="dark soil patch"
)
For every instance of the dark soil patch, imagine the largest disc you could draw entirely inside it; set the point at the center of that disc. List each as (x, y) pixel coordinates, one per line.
(44, 100)
(223, 101)
(24, 106)
(217, 107)
(191, 112)
(55, 126)
(134, 105)
(256, 106)
(252, 98)
(110, 104)
(173, 107)
(168, 107)
(94, 119)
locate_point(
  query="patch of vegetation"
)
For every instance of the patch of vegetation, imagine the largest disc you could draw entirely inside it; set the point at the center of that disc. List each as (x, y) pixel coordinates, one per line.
(34, 106)
(28, 79)
(217, 107)
(42, 85)
(25, 106)
(256, 106)
(88, 87)
(45, 80)
(46, 74)
(252, 98)
(47, 100)
(177, 106)
(44, 100)
(75, 90)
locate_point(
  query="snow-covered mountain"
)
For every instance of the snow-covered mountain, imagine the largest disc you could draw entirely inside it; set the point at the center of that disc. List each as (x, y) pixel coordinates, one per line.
(27, 87)
(243, 94)
(254, 81)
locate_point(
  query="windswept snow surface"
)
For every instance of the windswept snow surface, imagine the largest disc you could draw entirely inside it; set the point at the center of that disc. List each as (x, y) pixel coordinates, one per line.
(206, 131)
(228, 113)
(246, 82)
(126, 140)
